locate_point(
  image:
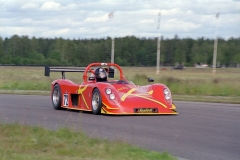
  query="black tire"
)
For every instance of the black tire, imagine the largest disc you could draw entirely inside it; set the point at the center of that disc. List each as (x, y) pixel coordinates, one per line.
(57, 97)
(96, 102)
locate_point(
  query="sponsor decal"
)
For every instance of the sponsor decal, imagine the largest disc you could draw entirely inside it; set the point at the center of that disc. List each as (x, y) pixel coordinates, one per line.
(122, 88)
(145, 110)
(65, 100)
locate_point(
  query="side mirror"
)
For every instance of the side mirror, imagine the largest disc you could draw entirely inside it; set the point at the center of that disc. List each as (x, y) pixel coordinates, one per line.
(47, 71)
(111, 73)
(150, 80)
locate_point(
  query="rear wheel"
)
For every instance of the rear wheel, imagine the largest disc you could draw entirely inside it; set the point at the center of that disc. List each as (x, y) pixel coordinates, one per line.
(57, 97)
(96, 101)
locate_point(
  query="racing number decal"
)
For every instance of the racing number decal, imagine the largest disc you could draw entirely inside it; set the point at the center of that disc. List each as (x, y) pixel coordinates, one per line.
(65, 100)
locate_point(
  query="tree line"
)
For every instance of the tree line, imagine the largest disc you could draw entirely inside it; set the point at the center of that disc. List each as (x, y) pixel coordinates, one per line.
(129, 51)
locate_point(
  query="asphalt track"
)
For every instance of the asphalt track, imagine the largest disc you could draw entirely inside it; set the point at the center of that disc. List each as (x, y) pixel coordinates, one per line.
(202, 131)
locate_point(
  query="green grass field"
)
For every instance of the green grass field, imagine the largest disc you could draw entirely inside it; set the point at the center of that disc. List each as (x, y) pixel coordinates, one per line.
(20, 142)
(24, 142)
(184, 84)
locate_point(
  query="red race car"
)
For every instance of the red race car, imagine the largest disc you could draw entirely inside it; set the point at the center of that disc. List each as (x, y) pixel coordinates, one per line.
(100, 93)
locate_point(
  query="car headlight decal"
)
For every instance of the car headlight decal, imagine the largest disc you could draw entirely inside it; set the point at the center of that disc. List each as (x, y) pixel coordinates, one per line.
(112, 96)
(167, 94)
(108, 91)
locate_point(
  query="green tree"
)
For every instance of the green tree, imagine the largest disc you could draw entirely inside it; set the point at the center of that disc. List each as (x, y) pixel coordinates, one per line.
(179, 56)
(15, 49)
(2, 55)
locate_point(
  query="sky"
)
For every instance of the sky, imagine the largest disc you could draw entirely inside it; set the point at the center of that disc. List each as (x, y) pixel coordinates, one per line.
(80, 19)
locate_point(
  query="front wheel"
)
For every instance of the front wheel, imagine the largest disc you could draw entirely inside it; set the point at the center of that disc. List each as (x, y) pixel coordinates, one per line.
(96, 101)
(57, 97)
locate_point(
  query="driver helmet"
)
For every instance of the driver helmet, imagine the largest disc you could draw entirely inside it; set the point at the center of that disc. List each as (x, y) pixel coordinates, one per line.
(101, 74)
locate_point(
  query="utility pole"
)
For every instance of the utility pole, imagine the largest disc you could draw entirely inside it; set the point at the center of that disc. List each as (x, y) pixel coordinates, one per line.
(158, 44)
(112, 52)
(111, 15)
(215, 46)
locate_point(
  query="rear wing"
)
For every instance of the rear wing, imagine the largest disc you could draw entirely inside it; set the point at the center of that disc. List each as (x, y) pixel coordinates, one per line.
(62, 70)
(48, 69)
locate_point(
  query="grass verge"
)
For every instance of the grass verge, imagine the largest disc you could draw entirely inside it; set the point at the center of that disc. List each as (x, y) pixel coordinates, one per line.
(190, 84)
(20, 142)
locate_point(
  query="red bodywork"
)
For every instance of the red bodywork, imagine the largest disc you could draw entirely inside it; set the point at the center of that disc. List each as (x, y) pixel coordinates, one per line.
(129, 98)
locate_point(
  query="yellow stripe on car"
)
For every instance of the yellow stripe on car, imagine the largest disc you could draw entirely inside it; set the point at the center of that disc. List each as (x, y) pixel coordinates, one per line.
(80, 91)
(140, 95)
(128, 93)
